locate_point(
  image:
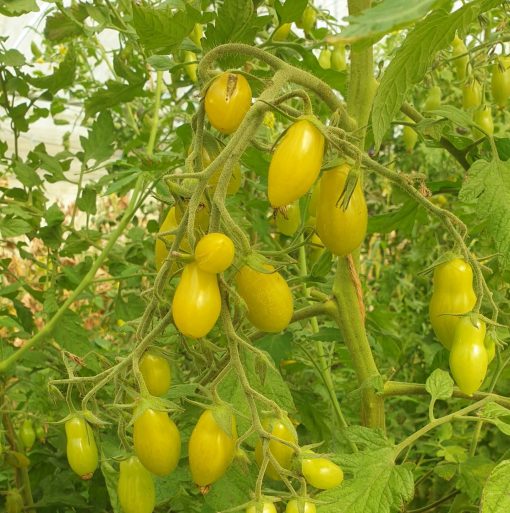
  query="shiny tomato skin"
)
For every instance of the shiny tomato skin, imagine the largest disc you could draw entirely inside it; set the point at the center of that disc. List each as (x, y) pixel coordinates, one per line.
(307, 507)
(468, 356)
(196, 304)
(281, 452)
(161, 251)
(227, 101)
(483, 118)
(452, 295)
(321, 473)
(267, 507)
(472, 95)
(288, 220)
(500, 82)
(156, 441)
(341, 231)
(295, 164)
(82, 453)
(268, 298)
(156, 373)
(135, 488)
(27, 434)
(210, 450)
(214, 253)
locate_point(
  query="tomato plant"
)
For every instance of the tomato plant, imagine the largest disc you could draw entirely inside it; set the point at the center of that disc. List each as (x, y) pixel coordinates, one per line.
(81, 450)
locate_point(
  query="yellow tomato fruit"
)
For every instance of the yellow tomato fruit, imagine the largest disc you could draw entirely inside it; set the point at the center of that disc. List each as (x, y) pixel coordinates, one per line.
(197, 303)
(500, 82)
(461, 58)
(268, 298)
(341, 231)
(483, 118)
(211, 450)
(468, 356)
(156, 441)
(227, 101)
(338, 61)
(321, 473)
(266, 507)
(452, 295)
(81, 450)
(410, 138)
(156, 373)
(135, 488)
(282, 32)
(288, 220)
(472, 95)
(282, 453)
(295, 164)
(161, 251)
(302, 507)
(325, 58)
(191, 66)
(214, 253)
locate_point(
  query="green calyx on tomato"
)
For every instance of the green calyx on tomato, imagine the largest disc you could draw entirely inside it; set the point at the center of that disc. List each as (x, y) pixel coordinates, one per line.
(214, 253)
(340, 229)
(156, 373)
(468, 355)
(156, 440)
(227, 101)
(82, 453)
(212, 445)
(452, 295)
(196, 304)
(321, 472)
(282, 453)
(295, 164)
(27, 434)
(135, 487)
(267, 296)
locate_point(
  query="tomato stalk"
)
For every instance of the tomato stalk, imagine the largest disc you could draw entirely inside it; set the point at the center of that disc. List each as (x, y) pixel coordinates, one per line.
(155, 117)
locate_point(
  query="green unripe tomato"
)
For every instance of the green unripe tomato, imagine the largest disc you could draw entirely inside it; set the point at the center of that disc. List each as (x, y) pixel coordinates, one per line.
(410, 138)
(321, 472)
(500, 82)
(288, 220)
(472, 95)
(306, 507)
(490, 345)
(325, 58)
(338, 61)
(308, 19)
(13, 502)
(27, 434)
(483, 118)
(282, 32)
(461, 58)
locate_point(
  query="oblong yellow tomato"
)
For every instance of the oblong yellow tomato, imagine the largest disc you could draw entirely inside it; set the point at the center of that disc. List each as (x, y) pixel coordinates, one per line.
(483, 118)
(284, 430)
(452, 296)
(288, 220)
(156, 441)
(211, 450)
(461, 58)
(81, 448)
(410, 138)
(268, 298)
(338, 61)
(227, 101)
(321, 473)
(282, 32)
(500, 82)
(191, 67)
(341, 231)
(468, 356)
(472, 95)
(295, 164)
(135, 488)
(161, 250)
(156, 373)
(325, 58)
(306, 507)
(267, 507)
(196, 304)
(214, 253)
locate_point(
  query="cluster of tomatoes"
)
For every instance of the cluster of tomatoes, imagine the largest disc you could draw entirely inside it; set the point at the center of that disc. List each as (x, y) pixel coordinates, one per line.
(462, 333)
(473, 97)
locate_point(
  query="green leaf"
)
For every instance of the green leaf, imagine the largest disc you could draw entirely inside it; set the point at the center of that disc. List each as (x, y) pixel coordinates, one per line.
(17, 7)
(402, 219)
(62, 78)
(12, 58)
(439, 385)
(387, 16)
(66, 24)
(161, 62)
(488, 186)
(87, 200)
(13, 227)
(454, 114)
(26, 174)
(70, 333)
(163, 29)
(98, 144)
(496, 493)
(54, 216)
(472, 475)
(414, 58)
(290, 10)
(114, 94)
(378, 485)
